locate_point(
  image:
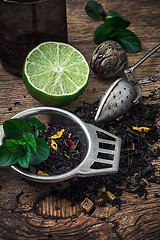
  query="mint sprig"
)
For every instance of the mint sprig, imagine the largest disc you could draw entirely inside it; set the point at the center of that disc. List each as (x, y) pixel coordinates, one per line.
(114, 28)
(22, 145)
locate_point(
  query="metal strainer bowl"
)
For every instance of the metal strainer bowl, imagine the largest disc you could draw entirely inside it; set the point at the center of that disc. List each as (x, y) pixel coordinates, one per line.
(98, 146)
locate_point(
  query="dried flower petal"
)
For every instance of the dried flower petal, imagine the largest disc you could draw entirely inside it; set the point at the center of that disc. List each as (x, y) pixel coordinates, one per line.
(103, 189)
(46, 126)
(119, 118)
(141, 129)
(58, 134)
(71, 144)
(69, 135)
(133, 146)
(110, 195)
(82, 100)
(41, 173)
(54, 145)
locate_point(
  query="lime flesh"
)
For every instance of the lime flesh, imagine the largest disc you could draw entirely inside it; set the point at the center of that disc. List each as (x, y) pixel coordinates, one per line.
(55, 73)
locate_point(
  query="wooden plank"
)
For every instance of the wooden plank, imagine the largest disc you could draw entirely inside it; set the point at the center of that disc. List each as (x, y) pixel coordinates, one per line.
(30, 210)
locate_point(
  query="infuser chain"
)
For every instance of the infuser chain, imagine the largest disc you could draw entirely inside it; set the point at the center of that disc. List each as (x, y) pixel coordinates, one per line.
(150, 79)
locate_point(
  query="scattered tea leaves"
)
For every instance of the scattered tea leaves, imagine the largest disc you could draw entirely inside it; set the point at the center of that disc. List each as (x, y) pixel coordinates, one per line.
(136, 171)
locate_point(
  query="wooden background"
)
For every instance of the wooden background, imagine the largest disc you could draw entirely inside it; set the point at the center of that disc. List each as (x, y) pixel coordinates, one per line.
(27, 209)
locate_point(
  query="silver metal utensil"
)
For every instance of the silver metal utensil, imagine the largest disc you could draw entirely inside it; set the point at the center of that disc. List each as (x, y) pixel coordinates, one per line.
(98, 146)
(122, 94)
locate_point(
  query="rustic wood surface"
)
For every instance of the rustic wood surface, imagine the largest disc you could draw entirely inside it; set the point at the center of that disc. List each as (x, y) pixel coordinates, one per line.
(30, 210)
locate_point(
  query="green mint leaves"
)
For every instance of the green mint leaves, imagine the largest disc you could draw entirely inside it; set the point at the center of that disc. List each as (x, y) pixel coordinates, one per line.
(95, 10)
(14, 128)
(128, 40)
(114, 28)
(42, 152)
(116, 20)
(37, 125)
(23, 145)
(7, 158)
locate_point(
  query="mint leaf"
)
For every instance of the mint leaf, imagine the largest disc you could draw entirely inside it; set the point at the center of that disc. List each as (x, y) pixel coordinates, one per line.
(24, 157)
(128, 40)
(114, 28)
(116, 22)
(24, 145)
(41, 126)
(33, 121)
(103, 34)
(7, 158)
(14, 128)
(30, 140)
(42, 152)
(112, 14)
(13, 145)
(94, 10)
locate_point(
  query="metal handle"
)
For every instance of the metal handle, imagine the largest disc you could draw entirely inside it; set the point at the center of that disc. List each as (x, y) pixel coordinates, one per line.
(85, 168)
(128, 72)
(1, 134)
(144, 58)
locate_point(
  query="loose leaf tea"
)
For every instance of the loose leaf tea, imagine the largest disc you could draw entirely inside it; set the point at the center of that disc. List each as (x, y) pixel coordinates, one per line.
(139, 132)
(65, 151)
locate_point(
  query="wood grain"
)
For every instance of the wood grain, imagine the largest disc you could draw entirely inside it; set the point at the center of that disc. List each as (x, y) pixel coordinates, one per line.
(30, 210)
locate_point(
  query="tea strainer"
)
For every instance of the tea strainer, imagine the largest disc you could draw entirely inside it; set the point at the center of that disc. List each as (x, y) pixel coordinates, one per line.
(98, 145)
(123, 93)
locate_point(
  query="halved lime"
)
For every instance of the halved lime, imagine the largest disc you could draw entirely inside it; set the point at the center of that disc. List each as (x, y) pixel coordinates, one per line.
(55, 73)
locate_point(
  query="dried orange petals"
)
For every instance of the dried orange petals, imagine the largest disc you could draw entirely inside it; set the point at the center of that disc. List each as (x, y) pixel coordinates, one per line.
(46, 127)
(103, 189)
(141, 129)
(118, 119)
(41, 173)
(133, 146)
(69, 135)
(54, 145)
(58, 134)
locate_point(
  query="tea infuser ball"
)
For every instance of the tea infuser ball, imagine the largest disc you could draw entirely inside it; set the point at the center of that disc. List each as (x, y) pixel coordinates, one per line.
(123, 93)
(109, 59)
